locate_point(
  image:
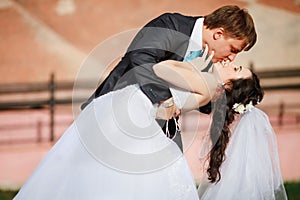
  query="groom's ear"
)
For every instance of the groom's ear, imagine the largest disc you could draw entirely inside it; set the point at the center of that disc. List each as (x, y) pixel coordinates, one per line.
(218, 33)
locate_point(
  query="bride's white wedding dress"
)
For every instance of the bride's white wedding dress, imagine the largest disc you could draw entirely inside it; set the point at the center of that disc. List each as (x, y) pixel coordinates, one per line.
(114, 150)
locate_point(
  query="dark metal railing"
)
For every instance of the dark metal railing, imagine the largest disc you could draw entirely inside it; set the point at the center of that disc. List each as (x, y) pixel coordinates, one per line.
(47, 90)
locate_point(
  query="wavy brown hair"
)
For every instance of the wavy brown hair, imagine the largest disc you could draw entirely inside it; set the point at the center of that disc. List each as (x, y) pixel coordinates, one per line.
(242, 91)
(237, 23)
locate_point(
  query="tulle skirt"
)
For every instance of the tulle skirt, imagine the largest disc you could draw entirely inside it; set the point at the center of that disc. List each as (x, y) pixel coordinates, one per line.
(114, 150)
(251, 169)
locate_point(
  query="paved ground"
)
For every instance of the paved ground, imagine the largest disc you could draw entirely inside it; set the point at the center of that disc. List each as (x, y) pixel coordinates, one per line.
(37, 39)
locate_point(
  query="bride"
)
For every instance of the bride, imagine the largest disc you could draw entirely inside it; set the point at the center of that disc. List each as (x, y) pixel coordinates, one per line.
(244, 164)
(116, 150)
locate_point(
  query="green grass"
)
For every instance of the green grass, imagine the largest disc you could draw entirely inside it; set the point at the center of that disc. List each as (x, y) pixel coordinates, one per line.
(292, 190)
(7, 194)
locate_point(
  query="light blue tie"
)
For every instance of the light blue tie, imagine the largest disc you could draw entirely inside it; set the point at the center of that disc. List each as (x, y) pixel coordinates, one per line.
(192, 55)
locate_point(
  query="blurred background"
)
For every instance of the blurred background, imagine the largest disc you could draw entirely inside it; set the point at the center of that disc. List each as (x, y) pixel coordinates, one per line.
(43, 45)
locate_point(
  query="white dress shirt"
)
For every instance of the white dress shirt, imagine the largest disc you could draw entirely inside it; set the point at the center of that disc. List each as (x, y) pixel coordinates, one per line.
(195, 42)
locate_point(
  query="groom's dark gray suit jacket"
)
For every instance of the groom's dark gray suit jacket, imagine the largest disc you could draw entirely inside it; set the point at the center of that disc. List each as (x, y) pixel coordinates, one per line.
(164, 38)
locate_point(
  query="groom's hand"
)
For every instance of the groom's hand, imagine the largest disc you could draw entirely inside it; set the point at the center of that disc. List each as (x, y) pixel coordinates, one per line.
(167, 109)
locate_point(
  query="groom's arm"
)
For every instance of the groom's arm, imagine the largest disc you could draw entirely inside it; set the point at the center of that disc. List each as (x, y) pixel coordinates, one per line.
(156, 42)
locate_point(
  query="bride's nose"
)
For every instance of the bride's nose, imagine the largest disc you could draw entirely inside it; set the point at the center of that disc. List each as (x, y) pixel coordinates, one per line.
(237, 68)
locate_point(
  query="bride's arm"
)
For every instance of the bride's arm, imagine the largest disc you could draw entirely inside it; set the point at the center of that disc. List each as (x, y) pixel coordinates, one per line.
(194, 101)
(183, 75)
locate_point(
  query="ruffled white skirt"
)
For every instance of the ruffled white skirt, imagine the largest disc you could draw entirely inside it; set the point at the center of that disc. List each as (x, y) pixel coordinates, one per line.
(251, 169)
(114, 150)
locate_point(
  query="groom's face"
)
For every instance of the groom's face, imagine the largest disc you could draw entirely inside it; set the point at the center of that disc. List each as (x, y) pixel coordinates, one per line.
(224, 47)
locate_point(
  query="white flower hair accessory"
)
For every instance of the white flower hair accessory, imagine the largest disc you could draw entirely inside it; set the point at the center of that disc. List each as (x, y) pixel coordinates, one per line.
(241, 108)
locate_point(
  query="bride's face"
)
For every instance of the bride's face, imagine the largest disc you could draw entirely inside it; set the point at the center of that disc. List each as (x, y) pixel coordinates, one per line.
(231, 71)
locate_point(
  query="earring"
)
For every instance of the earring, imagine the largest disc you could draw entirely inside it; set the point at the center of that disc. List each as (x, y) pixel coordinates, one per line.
(223, 85)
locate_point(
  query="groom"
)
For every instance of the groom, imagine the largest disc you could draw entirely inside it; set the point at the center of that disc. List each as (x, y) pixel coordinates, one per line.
(172, 36)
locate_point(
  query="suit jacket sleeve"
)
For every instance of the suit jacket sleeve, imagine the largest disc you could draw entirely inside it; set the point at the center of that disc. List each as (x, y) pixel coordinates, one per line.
(165, 37)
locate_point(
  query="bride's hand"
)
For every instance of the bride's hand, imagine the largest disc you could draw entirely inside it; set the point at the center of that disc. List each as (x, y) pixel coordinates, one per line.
(203, 61)
(205, 58)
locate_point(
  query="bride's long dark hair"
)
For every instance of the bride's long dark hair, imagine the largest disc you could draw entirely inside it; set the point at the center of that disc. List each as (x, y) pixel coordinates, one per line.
(241, 91)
